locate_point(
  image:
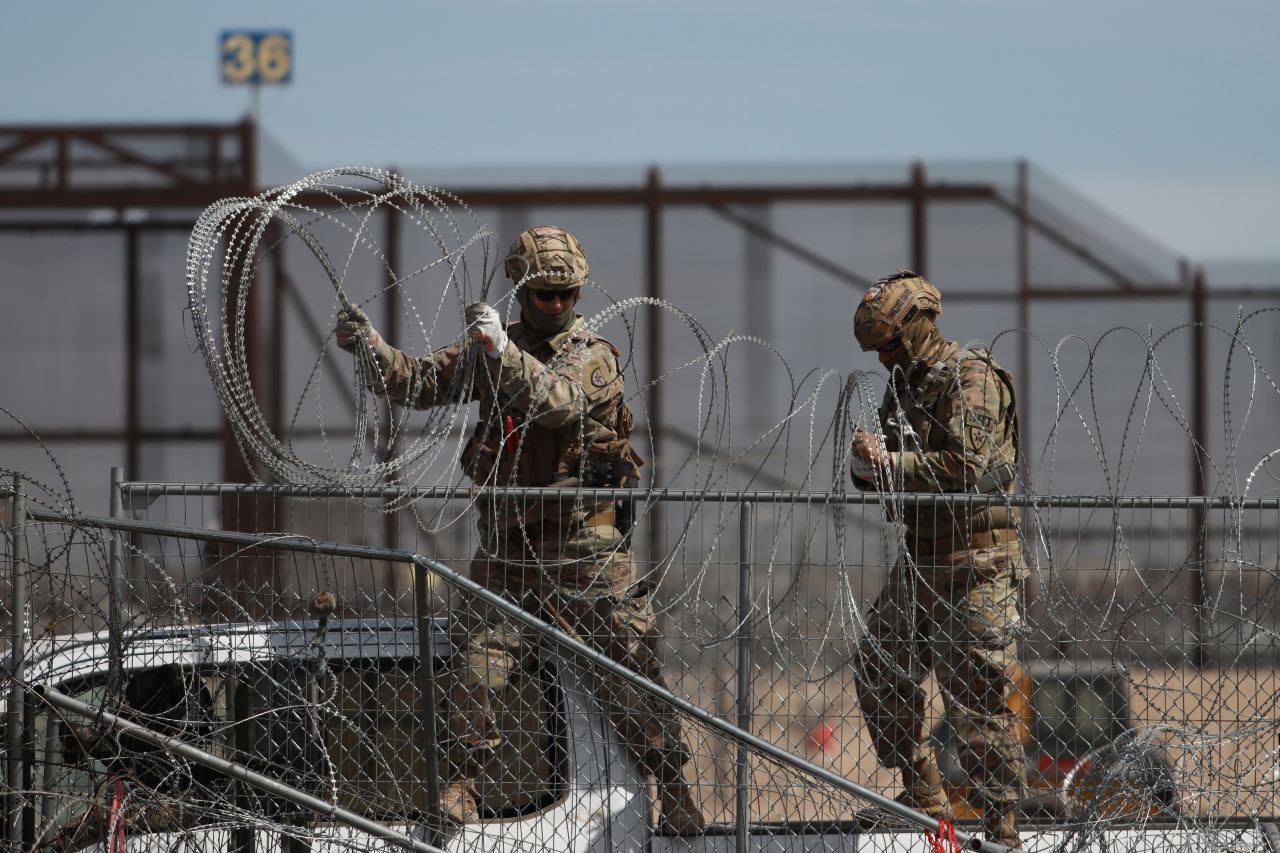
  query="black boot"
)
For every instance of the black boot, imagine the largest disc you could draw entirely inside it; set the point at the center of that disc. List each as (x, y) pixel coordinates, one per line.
(921, 790)
(1000, 824)
(679, 813)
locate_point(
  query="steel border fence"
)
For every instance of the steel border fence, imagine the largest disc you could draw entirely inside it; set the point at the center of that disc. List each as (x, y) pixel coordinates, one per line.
(127, 496)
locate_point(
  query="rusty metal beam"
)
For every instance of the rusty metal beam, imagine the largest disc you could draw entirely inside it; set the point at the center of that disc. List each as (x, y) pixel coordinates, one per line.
(249, 155)
(391, 323)
(276, 341)
(182, 225)
(107, 435)
(653, 288)
(62, 178)
(1199, 459)
(60, 166)
(25, 140)
(677, 196)
(1023, 378)
(201, 194)
(133, 350)
(121, 197)
(52, 130)
(164, 168)
(1065, 243)
(809, 256)
(210, 435)
(1061, 292)
(919, 219)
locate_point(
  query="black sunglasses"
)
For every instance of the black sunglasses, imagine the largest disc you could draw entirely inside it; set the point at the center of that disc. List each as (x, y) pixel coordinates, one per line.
(891, 347)
(564, 295)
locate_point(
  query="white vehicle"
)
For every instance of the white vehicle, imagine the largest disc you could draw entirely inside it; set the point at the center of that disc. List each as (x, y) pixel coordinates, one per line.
(333, 711)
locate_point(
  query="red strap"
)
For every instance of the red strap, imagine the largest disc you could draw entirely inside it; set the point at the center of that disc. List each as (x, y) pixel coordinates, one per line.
(115, 844)
(511, 441)
(944, 840)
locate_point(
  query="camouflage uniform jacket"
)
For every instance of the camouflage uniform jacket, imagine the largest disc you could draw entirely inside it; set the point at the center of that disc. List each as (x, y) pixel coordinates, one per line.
(551, 413)
(952, 427)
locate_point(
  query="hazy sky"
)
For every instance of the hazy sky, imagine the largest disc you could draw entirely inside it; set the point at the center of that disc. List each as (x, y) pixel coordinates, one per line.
(1164, 111)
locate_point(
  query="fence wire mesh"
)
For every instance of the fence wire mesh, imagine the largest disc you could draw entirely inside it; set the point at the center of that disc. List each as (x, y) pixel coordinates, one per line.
(461, 664)
(1143, 711)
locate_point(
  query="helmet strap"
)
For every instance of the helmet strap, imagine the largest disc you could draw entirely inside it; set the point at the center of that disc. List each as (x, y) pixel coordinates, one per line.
(921, 341)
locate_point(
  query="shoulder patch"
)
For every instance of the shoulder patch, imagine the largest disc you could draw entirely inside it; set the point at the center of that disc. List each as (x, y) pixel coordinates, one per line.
(598, 378)
(977, 437)
(979, 419)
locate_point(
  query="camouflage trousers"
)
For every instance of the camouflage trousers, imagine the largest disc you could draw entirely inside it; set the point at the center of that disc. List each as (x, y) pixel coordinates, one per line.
(583, 583)
(957, 615)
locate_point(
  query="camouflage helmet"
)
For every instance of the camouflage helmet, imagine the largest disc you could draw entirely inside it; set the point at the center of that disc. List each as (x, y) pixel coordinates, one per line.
(547, 255)
(890, 304)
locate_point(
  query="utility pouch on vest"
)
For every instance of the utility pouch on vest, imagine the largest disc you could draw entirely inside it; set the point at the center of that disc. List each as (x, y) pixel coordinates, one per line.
(624, 510)
(996, 479)
(602, 472)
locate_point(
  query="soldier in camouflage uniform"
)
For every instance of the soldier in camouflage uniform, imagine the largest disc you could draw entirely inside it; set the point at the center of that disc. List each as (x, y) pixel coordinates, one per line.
(951, 603)
(551, 414)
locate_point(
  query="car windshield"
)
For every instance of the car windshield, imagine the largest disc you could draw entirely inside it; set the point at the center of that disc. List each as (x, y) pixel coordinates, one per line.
(350, 731)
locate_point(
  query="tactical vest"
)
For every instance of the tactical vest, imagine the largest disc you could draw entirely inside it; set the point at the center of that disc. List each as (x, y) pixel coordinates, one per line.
(507, 449)
(925, 410)
(927, 427)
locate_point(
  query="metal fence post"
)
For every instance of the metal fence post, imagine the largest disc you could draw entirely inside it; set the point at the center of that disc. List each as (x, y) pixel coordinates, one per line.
(16, 724)
(746, 541)
(655, 511)
(1199, 459)
(426, 672)
(115, 570)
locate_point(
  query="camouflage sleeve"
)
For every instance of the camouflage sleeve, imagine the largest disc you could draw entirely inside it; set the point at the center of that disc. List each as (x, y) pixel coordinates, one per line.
(559, 394)
(976, 436)
(887, 405)
(430, 380)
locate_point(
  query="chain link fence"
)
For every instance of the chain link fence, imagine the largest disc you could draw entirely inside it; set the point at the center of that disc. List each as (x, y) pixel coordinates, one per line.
(1146, 691)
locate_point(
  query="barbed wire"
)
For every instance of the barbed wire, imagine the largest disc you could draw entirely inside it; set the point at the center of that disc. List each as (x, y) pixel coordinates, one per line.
(1183, 633)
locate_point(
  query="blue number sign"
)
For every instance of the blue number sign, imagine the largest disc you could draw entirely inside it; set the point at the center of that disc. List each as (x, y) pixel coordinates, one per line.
(257, 57)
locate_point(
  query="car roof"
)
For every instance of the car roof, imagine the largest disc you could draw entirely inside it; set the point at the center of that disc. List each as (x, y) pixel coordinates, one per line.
(82, 655)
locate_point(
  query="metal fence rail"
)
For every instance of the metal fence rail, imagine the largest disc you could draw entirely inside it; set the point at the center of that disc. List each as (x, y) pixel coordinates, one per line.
(1148, 618)
(569, 643)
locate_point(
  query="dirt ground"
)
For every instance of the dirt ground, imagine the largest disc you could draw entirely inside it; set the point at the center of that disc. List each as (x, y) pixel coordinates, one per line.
(1219, 728)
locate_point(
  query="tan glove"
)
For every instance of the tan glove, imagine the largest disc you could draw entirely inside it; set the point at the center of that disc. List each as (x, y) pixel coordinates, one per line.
(485, 326)
(354, 327)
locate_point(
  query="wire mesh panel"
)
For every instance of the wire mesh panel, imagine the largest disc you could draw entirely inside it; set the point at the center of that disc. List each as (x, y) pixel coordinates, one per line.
(1145, 687)
(465, 661)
